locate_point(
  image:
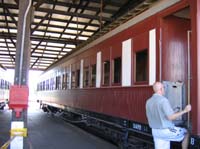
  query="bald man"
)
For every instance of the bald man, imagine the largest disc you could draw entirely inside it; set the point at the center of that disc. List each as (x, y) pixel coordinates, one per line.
(160, 115)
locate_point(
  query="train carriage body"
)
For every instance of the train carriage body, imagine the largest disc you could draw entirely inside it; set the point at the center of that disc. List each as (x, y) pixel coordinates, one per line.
(111, 78)
(4, 88)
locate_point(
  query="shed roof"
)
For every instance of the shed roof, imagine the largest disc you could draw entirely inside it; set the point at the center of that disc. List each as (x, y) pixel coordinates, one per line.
(60, 27)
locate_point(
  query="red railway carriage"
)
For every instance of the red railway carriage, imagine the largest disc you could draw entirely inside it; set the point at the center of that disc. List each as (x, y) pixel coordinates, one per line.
(109, 80)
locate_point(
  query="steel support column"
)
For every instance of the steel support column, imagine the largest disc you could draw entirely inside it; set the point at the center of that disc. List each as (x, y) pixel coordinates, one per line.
(19, 91)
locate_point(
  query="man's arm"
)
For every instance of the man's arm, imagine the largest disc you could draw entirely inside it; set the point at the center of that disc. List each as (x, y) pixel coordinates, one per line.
(178, 114)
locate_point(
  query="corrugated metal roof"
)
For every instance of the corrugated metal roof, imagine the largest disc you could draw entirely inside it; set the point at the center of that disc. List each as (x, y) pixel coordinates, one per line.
(60, 27)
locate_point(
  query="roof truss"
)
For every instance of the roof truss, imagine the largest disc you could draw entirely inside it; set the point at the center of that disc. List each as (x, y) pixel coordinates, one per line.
(60, 27)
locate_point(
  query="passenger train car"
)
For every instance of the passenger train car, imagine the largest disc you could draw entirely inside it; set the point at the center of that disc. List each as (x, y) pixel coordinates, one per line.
(106, 83)
(4, 88)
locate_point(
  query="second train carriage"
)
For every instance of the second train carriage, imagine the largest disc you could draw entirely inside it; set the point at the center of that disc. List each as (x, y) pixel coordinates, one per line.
(4, 88)
(108, 82)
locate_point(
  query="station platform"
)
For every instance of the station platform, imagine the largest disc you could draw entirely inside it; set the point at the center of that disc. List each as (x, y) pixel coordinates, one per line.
(47, 132)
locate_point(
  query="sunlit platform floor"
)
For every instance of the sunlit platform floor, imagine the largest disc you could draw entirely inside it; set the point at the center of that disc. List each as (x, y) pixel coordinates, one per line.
(47, 132)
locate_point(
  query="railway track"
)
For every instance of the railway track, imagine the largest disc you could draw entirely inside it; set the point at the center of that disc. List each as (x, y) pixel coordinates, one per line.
(121, 137)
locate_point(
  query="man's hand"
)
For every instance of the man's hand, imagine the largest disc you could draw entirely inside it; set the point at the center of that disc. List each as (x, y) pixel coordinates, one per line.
(178, 114)
(187, 108)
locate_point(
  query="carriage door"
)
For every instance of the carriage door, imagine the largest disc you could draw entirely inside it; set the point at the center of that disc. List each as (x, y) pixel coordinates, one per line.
(174, 57)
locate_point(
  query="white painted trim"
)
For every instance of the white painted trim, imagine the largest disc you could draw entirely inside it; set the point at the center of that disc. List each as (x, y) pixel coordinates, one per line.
(126, 62)
(81, 73)
(152, 56)
(17, 143)
(98, 70)
(70, 76)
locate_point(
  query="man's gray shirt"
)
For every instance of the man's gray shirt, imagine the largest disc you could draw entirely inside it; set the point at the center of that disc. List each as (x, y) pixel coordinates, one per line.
(157, 110)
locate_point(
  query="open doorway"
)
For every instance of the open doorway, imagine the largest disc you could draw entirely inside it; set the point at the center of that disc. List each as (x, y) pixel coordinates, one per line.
(175, 57)
(175, 28)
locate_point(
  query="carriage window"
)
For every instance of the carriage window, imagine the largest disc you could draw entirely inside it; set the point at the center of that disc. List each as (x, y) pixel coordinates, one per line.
(68, 80)
(106, 70)
(52, 84)
(117, 70)
(43, 85)
(1, 84)
(40, 86)
(47, 84)
(6, 84)
(9, 84)
(93, 75)
(73, 79)
(141, 66)
(64, 81)
(77, 78)
(58, 82)
(86, 77)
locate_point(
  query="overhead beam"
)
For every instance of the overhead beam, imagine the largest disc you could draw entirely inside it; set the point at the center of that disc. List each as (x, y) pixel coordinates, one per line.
(45, 39)
(127, 7)
(46, 57)
(12, 17)
(12, 57)
(87, 16)
(73, 5)
(108, 2)
(62, 12)
(38, 4)
(6, 22)
(38, 24)
(52, 19)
